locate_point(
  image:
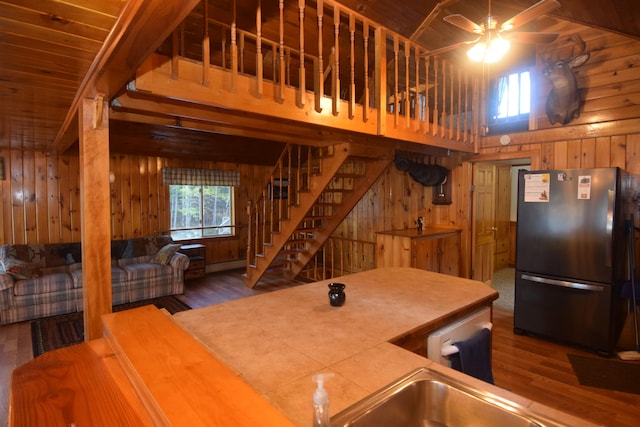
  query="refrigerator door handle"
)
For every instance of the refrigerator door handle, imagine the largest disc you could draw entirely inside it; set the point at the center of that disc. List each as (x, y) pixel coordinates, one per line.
(609, 225)
(563, 283)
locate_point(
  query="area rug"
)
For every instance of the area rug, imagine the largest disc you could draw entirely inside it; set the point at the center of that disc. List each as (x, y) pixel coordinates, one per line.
(55, 332)
(611, 374)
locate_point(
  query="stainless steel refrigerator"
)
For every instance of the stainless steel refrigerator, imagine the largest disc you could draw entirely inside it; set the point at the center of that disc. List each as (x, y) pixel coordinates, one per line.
(571, 258)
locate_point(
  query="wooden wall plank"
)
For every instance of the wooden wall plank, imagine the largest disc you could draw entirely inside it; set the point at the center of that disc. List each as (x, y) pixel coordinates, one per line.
(42, 228)
(17, 201)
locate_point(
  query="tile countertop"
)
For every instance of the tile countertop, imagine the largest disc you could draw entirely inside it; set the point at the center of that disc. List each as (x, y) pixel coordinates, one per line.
(277, 341)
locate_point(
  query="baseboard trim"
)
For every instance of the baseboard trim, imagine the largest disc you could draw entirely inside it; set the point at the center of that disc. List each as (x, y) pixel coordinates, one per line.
(223, 266)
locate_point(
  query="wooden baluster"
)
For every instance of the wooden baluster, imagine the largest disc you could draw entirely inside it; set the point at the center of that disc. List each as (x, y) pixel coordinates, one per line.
(443, 110)
(436, 116)
(396, 103)
(259, 55)
(206, 47)
(352, 83)
(427, 63)
(459, 110)
(450, 111)
(365, 102)
(407, 104)
(265, 199)
(335, 94)
(466, 107)
(175, 54)
(301, 75)
(319, 76)
(280, 96)
(289, 181)
(250, 234)
(418, 110)
(234, 51)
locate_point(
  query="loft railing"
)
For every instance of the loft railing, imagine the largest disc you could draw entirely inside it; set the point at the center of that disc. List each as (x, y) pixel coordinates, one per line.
(340, 63)
(340, 256)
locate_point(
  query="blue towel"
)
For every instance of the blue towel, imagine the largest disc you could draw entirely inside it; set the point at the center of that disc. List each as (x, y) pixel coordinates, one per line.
(474, 356)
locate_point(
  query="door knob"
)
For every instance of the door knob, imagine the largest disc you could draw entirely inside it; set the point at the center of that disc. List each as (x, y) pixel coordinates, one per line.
(494, 228)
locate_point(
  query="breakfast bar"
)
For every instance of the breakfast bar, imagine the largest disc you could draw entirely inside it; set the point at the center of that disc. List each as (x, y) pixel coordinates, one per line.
(257, 355)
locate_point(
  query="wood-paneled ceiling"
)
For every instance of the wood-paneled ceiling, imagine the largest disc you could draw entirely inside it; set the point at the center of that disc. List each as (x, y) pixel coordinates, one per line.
(48, 51)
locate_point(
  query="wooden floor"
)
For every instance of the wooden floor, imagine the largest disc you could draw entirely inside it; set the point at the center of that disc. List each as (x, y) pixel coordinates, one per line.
(531, 367)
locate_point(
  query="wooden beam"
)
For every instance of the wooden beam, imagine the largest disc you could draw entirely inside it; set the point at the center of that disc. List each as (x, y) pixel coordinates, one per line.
(140, 29)
(96, 213)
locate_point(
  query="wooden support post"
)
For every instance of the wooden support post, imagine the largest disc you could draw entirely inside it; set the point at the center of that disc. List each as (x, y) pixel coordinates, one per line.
(96, 213)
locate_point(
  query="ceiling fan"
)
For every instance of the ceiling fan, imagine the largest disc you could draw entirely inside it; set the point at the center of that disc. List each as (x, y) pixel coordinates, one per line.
(493, 39)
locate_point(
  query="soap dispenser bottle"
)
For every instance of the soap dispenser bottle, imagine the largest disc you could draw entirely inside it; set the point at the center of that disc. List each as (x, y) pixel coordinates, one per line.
(321, 401)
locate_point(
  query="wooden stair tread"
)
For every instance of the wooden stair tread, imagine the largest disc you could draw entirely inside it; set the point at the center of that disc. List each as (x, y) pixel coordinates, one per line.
(176, 373)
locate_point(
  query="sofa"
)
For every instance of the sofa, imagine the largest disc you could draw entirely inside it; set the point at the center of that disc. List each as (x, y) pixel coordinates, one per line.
(44, 280)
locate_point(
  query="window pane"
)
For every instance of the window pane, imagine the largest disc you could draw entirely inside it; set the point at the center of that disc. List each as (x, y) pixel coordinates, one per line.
(217, 206)
(200, 211)
(525, 93)
(185, 206)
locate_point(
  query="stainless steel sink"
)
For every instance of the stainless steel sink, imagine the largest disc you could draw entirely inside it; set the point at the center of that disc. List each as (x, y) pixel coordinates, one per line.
(429, 398)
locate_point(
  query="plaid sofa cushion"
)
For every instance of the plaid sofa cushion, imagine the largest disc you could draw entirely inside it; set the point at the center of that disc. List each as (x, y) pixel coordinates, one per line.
(49, 283)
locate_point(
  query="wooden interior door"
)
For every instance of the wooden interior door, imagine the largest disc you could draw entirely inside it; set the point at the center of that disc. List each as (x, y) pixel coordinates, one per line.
(502, 216)
(484, 242)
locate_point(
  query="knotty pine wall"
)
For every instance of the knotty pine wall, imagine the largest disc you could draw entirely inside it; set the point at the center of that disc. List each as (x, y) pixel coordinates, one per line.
(40, 199)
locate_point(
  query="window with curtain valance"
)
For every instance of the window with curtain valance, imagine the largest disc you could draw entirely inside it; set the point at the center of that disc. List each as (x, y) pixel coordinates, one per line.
(201, 202)
(192, 176)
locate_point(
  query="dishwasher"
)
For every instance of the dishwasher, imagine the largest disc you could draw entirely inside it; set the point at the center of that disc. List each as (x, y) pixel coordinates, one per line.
(439, 342)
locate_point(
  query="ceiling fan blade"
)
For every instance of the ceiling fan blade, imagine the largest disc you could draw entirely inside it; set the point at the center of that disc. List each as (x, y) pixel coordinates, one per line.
(541, 8)
(464, 23)
(528, 37)
(450, 47)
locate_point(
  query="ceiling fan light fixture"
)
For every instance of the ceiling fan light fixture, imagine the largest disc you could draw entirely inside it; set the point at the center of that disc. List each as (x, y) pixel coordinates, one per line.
(489, 53)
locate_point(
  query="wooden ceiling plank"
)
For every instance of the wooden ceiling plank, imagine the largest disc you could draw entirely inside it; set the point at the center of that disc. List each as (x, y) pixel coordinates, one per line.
(99, 14)
(17, 41)
(141, 27)
(45, 65)
(50, 22)
(41, 34)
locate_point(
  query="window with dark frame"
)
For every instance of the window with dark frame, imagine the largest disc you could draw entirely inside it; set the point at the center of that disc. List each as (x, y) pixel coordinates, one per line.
(509, 103)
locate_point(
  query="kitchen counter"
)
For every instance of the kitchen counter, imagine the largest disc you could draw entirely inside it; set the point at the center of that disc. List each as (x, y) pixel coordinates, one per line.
(258, 355)
(277, 341)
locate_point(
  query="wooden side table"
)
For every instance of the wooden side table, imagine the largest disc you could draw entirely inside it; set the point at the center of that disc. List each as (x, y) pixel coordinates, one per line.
(197, 254)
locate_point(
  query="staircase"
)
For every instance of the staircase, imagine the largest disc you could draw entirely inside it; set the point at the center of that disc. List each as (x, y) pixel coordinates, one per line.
(309, 193)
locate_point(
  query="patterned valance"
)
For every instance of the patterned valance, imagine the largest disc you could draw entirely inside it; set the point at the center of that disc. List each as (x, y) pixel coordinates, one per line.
(189, 176)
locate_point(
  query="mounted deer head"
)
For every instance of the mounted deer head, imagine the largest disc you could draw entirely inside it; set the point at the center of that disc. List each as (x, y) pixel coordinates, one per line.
(565, 99)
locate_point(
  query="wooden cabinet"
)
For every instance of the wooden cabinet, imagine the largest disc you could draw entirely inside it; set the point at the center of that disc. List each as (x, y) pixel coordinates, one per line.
(197, 254)
(434, 249)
